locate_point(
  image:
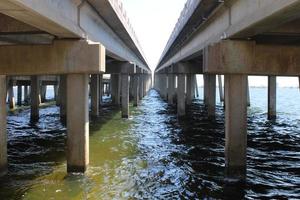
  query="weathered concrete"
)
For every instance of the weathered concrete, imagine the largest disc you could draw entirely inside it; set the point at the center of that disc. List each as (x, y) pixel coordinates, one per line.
(189, 89)
(26, 94)
(141, 86)
(235, 125)
(11, 95)
(3, 131)
(19, 100)
(211, 95)
(62, 57)
(221, 93)
(94, 95)
(100, 89)
(35, 97)
(181, 95)
(125, 95)
(43, 93)
(77, 123)
(63, 99)
(272, 97)
(171, 88)
(136, 89)
(248, 57)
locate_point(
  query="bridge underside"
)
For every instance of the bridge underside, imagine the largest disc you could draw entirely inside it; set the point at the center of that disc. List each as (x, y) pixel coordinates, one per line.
(235, 39)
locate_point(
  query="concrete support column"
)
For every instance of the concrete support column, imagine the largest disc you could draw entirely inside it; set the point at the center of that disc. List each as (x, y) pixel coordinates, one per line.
(141, 86)
(163, 86)
(63, 99)
(205, 88)
(19, 100)
(101, 88)
(189, 89)
(211, 94)
(43, 93)
(94, 95)
(3, 132)
(35, 97)
(248, 93)
(221, 93)
(272, 97)
(11, 95)
(181, 95)
(235, 125)
(77, 123)
(171, 88)
(26, 94)
(136, 89)
(125, 95)
(196, 86)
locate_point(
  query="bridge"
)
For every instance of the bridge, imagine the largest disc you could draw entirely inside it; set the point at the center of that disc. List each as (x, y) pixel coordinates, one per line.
(234, 38)
(76, 41)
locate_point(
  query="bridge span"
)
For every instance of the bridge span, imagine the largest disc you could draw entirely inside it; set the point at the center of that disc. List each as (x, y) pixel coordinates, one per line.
(234, 38)
(76, 41)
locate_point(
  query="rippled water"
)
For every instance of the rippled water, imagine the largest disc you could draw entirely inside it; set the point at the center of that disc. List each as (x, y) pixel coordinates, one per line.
(154, 156)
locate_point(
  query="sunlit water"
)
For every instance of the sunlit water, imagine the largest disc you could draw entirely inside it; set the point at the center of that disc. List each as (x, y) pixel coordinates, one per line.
(154, 156)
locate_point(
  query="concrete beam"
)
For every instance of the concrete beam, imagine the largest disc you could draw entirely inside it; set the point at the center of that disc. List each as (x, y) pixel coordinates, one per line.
(247, 57)
(236, 19)
(77, 123)
(188, 68)
(62, 57)
(3, 131)
(117, 67)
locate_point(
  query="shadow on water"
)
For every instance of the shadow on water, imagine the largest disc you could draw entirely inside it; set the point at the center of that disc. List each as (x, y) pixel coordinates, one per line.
(152, 155)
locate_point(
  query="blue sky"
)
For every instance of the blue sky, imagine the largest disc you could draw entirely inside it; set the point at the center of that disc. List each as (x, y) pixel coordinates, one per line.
(153, 22)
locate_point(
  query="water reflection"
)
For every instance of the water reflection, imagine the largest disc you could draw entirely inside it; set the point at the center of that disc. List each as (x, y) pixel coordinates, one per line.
(151, 156)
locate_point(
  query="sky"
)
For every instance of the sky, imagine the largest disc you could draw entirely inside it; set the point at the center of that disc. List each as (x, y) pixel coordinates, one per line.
(153, 22)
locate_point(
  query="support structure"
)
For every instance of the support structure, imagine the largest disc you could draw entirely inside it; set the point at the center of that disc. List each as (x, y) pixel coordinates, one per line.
(136, 89)
(271, 97)
(125, 94)
(11, 95)
(210, 91)
(94, 95)
(19, 102)
(171, 88)
(221, 93)
(77, 123)
(35, 97)
(189, 89)
(100, 89)
(63, 99)
(181, 95)
(235, 125)
(3, 131)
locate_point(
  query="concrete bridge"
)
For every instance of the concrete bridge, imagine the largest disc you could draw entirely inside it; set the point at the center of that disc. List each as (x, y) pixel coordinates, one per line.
(235, 38)
(76, 42)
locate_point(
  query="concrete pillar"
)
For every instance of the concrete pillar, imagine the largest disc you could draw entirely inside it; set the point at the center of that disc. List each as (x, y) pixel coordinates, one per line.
(26, 94)
(35, 97)
(211, 94)
(56, 96)
(100, 89)
(63, 99)
(248, 94)
(3, 135)
(181, 95)
(11, 95)
(136, 89)
(115, 91)
(221, 93)
(205, 88)
(196, 86)
(235, 125)
(94, 95)
(43, 93)
(188, 89)
(125, 95)
(77, 123)
(171, 88)
(19, 100)
(141, 86)
(272, 97)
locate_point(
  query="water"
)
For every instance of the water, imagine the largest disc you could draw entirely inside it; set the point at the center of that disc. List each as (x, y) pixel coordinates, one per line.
(154, 156)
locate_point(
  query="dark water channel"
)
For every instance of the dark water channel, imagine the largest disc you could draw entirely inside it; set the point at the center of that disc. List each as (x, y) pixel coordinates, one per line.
(154, 156)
